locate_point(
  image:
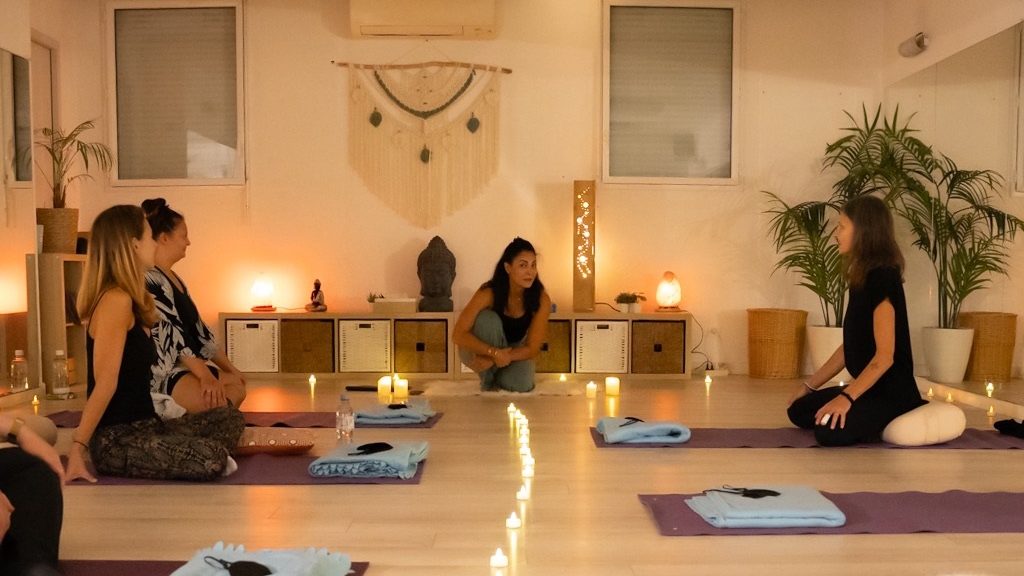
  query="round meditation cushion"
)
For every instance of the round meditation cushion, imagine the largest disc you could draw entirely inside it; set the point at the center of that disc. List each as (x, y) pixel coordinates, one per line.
(933, 423)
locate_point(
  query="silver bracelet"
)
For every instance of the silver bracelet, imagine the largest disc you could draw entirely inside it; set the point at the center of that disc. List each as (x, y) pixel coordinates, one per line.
(808, 386)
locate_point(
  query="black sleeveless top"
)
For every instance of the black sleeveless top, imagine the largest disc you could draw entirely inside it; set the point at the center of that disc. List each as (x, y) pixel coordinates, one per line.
(515, 328)
(131, 400)
(897, 384)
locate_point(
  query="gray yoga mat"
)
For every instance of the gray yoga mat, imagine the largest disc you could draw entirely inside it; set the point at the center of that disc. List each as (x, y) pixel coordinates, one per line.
(972, 439)
(71, 418)
(145, 567)
(950, 512)
(262, 470)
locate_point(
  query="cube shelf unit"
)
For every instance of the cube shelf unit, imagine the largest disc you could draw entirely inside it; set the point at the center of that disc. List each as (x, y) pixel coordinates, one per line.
(53, 324)
(418, 344)
(414, 344)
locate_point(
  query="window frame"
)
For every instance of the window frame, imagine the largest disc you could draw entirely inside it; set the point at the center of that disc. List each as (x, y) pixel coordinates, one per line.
(733, 178)
(112, 6)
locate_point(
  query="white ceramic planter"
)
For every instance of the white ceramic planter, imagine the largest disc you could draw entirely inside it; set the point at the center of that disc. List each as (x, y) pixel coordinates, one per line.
(822, 342)
(946, 352)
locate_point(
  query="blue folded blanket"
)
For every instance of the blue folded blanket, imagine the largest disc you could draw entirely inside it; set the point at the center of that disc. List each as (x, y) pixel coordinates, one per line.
(382, 414)
(794, 507)
(633, 431)
(400, 461)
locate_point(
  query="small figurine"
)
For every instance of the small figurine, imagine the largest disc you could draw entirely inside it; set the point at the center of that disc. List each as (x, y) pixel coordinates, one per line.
(316, 299)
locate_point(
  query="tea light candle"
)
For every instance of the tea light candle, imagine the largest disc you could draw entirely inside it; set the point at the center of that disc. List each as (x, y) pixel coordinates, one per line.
(511, 408)
(499, 560)
(524, 438)
(401, 388)
(312, 380)
(524, 450)
(523, 493)
(35, 400)
(527, 471)
(931, 393)
(989, 389)
(591, 389)
(513, 521)
(611, 386)
(562, 378)
(528, 460)
(384, 385)
(707, 380)
(949, 397)
(991, 410)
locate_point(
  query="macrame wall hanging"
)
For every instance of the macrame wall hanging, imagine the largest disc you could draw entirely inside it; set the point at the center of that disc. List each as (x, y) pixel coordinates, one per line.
(424, 137)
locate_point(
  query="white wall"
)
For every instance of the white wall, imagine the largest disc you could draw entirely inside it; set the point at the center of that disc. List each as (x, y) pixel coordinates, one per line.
(306, 214)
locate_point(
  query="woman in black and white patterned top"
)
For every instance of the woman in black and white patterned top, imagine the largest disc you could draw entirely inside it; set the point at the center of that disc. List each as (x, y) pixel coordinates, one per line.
(190, 367)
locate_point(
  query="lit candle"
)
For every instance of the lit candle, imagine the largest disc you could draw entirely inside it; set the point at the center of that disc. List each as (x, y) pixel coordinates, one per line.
(527, 471)
(707, 380)
(312, 380)
(989, 389)
(562, 378)
(949, 396)
(991, 410)
(499, 560)
(511, 408)
(384, 385)
(524, 450)
(401, 388)
(523, 493)
(591, 389)
(35, 400)
(513, 521)
(528, 460)
(931, 393)
(611, 386)
(524, 437)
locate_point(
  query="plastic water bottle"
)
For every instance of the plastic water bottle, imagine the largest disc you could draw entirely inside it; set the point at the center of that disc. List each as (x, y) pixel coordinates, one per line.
(346, 420)
(19, 371)
(60, 387)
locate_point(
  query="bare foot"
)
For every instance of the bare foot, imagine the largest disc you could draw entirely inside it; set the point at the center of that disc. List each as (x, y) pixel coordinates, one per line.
(481, 363)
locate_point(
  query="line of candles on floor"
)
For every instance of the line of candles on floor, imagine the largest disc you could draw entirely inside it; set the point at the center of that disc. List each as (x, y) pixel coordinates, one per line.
(989, 389)
(519, 425)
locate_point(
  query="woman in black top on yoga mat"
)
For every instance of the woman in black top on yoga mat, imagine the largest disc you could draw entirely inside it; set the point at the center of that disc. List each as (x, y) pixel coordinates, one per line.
(876, 338)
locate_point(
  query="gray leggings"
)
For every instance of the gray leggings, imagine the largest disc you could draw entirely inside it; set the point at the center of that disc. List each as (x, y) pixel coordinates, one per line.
(517, 376)
(193, 447)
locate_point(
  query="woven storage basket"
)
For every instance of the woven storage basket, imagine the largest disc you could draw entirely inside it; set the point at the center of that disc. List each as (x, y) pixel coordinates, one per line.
(60, 229)
(992, 351)
(775, 342)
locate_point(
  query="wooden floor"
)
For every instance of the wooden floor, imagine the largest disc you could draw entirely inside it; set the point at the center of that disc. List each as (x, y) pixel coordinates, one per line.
(583, 517)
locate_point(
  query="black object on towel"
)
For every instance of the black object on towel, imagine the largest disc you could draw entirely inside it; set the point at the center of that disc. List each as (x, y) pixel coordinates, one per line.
(240, 568)
(754, 493)
(371, 448)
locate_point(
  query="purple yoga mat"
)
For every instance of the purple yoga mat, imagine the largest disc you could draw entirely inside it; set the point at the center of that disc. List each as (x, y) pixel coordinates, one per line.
(145, 567)
(972, 439)
(262, 470)
(955, 511)
(70, 419)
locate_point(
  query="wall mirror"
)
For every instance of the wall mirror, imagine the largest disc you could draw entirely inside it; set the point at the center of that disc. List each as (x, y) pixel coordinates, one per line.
(966, 106)
(15, 187)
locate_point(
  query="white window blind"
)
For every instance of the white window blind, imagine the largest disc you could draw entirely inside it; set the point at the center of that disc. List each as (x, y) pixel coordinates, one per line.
(669, 114)
(177, 72)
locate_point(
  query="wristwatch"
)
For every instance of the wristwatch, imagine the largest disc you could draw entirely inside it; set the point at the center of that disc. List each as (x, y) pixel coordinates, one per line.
(12, 434)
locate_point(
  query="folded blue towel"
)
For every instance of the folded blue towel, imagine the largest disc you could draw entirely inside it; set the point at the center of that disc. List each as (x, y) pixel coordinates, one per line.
(794, 507)
(381, 414)
(632, 431)
(400, 461)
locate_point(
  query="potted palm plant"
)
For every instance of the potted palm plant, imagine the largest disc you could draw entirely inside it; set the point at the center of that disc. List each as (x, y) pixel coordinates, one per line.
(66, 151)
(802, 233)
(953, 221)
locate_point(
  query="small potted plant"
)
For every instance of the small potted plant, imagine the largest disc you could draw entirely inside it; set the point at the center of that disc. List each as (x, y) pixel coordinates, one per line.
(60, 223)
(630, 301)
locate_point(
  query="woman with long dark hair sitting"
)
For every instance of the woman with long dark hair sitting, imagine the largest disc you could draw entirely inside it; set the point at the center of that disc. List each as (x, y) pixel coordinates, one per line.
(502, 327)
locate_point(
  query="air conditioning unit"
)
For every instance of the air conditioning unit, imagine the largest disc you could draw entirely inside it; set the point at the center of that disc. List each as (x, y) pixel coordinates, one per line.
(470, 19)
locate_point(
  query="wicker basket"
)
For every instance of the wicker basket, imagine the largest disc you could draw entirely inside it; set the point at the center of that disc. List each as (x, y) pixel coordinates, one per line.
(994, 339)
(775, 342)
(60, 229)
